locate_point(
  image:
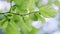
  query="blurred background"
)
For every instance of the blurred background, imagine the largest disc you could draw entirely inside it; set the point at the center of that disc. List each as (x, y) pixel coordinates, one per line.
(52, 25)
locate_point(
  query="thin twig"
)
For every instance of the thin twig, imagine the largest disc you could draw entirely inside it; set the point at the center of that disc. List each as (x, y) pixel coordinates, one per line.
(11, 6)
(20, 14)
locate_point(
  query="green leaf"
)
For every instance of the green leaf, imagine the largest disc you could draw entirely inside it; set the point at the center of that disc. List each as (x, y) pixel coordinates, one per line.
(16, 18)
(9, 0)
(18, 2)
(39, 3)
(14, 25)
(21, 10)
(2, 20)
(50, 2)
(48, 12)
(12, 28)
(40, 17)
(2, 17)
(23, 28)
(21, 6)
(34, 31)
(27, 21)
(21, 2)
(33, 17)
(24, 19)
(57, 3)
(4, 24)
(31, 5)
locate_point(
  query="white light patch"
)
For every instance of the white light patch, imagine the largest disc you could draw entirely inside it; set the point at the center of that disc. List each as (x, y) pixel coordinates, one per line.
(4, 5)
(57, 32)
(36, 24)
(51, 25)
(58, 0)
(1, 6)
(44, 2)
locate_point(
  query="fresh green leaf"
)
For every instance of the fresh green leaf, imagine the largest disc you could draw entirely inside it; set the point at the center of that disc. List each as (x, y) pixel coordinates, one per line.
(33, 31)
(57, 3)
(21, 10)
(2, 20)
(21, 6)
(4, 25)
(23, 26)
(40, 17)
(33, 17)
(16, 18)
(9, 0)
(50, 2)
(12, 28)
(27, 21)
(31, 5)
(48, 11)
(39, 3)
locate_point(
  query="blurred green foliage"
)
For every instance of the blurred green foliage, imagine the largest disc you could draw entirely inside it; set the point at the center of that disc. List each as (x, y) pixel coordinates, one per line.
(18, 21)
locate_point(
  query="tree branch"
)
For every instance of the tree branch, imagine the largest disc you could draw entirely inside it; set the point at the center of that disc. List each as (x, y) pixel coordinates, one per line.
(20, 14)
